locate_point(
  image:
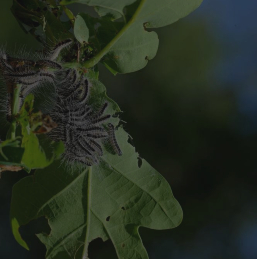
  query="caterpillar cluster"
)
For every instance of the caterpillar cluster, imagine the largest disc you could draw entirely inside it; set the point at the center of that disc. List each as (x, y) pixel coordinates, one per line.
(81, 128)
(31, 73)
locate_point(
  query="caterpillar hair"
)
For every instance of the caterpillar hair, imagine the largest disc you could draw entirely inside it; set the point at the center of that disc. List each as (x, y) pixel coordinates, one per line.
(81, 127)
(79, 114)
(67, 87)
(27, 88)
(71, 93)
(85, 160)
(5, 66)
(54, 53)
(97, 135)
(83, 95)
(101, 119)
(64, 75)
(20, 63)
(81, 149)
(113, 140)
(71, 77)
(34, 72)
(9, 108)
(97, 147)
(85, 144)
(21, 75)
(5, 106)
(48, 63)
(93, 129)
(31, 82)
(78, 123)
(102, 110)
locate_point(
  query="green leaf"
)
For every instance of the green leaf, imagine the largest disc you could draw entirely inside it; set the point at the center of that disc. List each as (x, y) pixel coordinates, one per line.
(11, 154)
(100, 30)
(15, 230)
(113, 8)
(9, 143)
(34, 156)
(81, 30)
(133, 46)
(110, 200)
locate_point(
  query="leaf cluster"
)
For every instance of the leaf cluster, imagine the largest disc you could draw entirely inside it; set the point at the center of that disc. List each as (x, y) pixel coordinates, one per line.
(112, 199)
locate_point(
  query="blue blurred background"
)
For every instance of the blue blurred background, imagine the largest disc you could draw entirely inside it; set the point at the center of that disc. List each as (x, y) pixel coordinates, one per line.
(193, 115)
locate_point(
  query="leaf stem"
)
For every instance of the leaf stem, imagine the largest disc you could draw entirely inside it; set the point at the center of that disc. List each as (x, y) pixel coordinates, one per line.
(93, 61)
(15, 108)
(69, 14)
(89, 192)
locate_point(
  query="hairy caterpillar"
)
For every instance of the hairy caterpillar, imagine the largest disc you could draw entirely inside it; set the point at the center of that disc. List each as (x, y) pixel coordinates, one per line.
(32, 73)
(79, 125)
(55, 52)
(113, 140)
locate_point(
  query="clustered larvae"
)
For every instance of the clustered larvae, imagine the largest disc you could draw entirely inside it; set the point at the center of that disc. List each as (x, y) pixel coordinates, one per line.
(32, 73)
(82, 128)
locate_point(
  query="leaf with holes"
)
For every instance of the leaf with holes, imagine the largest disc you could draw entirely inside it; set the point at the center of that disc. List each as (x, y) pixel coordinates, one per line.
(133, 46)
(110, 200)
